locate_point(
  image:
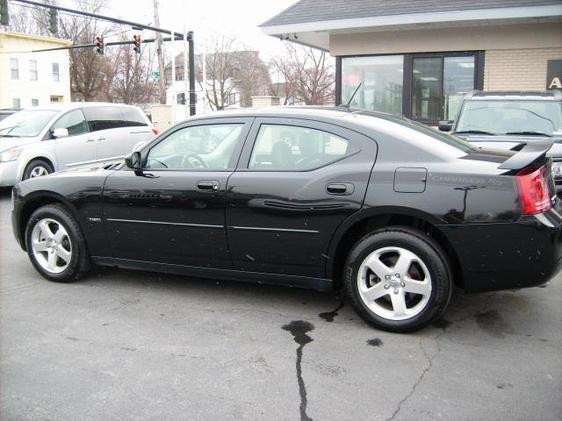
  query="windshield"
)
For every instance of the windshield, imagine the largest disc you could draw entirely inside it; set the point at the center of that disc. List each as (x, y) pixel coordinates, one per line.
(26, 123)
(510, 117)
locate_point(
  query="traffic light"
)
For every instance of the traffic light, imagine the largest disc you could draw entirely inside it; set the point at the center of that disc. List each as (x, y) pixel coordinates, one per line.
(4, 15)
(137, 43)
(53, 21)
(99, 45)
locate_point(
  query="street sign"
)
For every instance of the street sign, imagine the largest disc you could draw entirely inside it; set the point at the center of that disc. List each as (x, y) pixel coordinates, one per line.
(156, 75)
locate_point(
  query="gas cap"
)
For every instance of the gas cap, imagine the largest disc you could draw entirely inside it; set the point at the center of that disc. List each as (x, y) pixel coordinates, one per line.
(410, 179)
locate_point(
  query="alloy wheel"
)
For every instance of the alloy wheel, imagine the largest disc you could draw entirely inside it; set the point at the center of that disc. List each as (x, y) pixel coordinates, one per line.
(394, 283)
(38, 171)
(51, 245)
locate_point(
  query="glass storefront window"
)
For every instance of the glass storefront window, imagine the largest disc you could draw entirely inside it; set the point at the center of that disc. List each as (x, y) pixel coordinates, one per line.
(382, 82)
(426, 88)
(458, 80)
(436, 83)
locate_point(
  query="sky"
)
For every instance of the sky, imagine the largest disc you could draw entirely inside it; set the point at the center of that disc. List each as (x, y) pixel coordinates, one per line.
(233, 18)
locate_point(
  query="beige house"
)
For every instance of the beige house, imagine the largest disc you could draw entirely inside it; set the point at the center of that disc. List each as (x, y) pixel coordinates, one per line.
(419, 58)
(31, 79)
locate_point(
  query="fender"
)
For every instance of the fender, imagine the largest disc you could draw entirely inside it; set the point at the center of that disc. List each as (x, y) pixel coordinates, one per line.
(40, 195)
(366, 213)
(38, 151)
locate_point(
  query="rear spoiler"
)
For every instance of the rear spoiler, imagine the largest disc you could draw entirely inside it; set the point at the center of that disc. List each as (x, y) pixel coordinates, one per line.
(530, 152)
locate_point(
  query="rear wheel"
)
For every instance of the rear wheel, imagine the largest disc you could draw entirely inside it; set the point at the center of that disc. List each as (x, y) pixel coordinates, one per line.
(37, 168)
(55, 244)
(398, 279)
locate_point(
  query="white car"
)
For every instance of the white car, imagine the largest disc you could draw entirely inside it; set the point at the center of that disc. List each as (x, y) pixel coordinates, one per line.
(41, 140)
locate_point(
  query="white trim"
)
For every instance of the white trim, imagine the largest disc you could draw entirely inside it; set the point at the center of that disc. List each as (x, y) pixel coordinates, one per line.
(418, 18)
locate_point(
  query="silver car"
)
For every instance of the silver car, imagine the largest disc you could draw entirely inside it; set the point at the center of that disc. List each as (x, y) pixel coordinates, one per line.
(42, 140)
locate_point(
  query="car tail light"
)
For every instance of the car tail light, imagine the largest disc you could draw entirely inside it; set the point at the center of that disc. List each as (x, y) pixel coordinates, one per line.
(155, 131)
(534, 195)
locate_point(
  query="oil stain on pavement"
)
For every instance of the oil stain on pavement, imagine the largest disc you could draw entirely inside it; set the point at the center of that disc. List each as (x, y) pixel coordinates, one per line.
(330, 315)
(374, 342)
(299, 330)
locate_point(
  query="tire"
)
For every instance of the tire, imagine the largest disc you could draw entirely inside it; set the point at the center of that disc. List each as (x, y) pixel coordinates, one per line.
(37, 168)
(59, 258)
(391, 301)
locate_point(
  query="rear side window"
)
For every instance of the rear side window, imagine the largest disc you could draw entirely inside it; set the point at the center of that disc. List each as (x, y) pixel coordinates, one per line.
(113, 117)
(286, 148)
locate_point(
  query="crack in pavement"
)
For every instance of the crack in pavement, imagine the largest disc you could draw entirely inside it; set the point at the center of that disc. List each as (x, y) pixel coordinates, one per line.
(421, 376)
(299, 329)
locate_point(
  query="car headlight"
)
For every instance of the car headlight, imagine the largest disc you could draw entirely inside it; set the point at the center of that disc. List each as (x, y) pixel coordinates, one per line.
(11, 154)
(557, 169)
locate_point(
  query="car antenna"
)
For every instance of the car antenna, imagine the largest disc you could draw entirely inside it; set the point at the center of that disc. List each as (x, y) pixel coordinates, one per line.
(348, 105)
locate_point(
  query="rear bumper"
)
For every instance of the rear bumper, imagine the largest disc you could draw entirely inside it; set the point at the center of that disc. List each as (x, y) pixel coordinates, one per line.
(523, 254)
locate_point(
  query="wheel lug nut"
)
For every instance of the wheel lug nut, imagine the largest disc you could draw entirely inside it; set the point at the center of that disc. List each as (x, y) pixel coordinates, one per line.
(396, 291)
(402, 284)
(386, 286)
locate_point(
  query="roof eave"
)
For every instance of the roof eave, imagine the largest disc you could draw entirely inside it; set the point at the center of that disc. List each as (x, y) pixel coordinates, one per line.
(495, 14)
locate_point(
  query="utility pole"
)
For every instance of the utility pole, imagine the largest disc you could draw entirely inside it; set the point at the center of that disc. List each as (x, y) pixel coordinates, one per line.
(160, 53)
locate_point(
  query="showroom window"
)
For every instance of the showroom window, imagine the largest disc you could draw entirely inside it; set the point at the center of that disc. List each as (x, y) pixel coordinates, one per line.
(381, 81)
(424, 87)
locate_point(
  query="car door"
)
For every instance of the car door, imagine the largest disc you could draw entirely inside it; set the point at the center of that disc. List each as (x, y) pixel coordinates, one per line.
(295, 184)
(79, 146)
(118, 129)
(173, 211)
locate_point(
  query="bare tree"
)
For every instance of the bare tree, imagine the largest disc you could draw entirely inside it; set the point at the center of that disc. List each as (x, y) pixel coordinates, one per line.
(231, 69)
(308, 75)
(131, 82)
(220, 65)
(88, 69)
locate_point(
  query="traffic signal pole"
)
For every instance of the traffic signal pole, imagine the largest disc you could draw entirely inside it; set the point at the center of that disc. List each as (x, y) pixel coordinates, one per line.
(134, 25)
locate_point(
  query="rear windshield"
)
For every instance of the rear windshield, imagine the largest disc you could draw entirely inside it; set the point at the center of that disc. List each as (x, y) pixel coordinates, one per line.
(112, 117)
(26, 123)
(500, 117)
(445, 138)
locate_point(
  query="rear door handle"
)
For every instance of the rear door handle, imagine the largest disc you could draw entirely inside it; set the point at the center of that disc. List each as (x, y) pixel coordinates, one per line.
(208, 185)
(90, 140)
(101, 139)
(340, 188)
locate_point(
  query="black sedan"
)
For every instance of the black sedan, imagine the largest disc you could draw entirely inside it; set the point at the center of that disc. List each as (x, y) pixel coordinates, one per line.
(391, 211)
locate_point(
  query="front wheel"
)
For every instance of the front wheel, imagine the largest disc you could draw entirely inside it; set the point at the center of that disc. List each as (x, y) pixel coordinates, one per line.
(398, 279)
(37, 168)
(55, 244)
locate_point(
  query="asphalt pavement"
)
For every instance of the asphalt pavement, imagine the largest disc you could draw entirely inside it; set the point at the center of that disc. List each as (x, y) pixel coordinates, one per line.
(124, 345)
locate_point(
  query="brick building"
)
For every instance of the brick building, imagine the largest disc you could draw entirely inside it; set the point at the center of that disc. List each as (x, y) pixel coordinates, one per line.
(419, 58)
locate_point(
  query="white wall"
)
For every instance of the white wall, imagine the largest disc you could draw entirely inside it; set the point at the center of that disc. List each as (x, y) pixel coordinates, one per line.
(18, 46)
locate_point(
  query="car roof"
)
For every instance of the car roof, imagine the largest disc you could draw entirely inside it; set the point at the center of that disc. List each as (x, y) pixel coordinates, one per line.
(67, 106)
(515, 95)
(312, 112)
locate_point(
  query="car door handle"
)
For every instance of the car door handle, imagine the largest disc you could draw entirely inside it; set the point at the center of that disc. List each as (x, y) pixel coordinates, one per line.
(340, 188)
(90, 140)
(208, 185)
(101, 139)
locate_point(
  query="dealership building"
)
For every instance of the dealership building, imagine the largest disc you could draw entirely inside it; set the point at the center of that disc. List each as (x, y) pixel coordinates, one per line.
(418, 58)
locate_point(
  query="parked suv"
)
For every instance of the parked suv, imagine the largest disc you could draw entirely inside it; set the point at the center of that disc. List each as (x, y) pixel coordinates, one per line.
(506, 120)
(40, 140)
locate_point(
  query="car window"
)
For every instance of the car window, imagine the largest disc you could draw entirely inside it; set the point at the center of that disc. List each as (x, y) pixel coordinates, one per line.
(281, 147)
(208, 147)
(113, 117)
(74, 121)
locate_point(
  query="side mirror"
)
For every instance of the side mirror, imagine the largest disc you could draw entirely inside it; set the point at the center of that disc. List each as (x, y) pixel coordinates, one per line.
(446, 125)
(60, 132)
(133, 161)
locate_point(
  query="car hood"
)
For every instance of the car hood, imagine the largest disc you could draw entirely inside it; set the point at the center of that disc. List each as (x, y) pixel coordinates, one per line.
(11, 142)
(509, 142)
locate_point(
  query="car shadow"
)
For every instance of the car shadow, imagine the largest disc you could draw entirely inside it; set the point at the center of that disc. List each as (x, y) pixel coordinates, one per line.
(482, 311)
